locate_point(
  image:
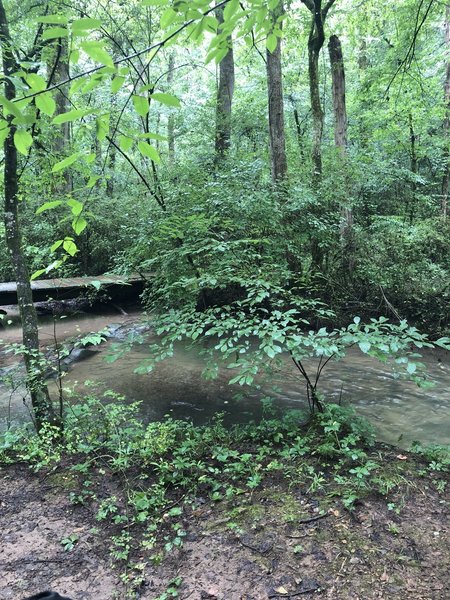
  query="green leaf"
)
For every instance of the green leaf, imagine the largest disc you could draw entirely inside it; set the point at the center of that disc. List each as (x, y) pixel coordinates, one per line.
(45, 103)
(117, 83)
(364, 346)
(76, 206)
(154, 136)
(411, 368)
(96, 51)
(92, 181)
(79, 225)
(66, 162)
(53, 19)
(48, 206)
(125, 143)
(102, 127)
(166, 99)
(56, 245)
(149, 151)
(71, 115)
(23, 141)
(55, 32)
(271, 42)
(141, 105)
(86, 23)
(36, 82)
(167, 18)
(230, 9)
(154, 2)
(37, 274)
(11, 107)
(4, 130)
(70, 247)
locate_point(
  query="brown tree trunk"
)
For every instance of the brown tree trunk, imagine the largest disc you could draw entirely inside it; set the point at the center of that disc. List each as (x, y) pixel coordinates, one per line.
(445, 177)
(338, 93)
(276, 109)
(414, 169)
(225, 92)
(171, 117)
(63, 135)
(316, 40)
(340, 140)
(42, 406)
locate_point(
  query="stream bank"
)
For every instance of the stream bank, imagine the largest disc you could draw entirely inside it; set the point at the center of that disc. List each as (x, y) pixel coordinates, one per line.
(283, 539)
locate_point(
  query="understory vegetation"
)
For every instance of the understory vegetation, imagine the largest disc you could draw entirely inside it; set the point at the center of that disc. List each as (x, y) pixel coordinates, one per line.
(277, 174)
(143, 483)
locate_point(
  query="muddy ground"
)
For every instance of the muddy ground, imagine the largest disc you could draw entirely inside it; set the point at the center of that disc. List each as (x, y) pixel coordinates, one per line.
(277, 542)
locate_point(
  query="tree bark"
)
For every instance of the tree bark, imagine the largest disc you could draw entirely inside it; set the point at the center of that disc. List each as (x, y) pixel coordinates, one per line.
(63, 135)
(171, 117)
(276, 107)
(225, 93)
(338, 93)
(414, 168)
(42, 406)
(446, 157)
(340, 140)
(316, 40)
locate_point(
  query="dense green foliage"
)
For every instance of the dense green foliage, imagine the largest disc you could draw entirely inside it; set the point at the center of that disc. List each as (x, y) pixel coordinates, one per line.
(115, 189)
(143, 483)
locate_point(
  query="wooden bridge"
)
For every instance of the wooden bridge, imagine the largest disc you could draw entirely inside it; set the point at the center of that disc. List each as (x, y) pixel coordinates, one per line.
(119, 288)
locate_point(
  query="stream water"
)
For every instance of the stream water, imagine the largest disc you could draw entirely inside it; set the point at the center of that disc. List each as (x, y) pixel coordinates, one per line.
(400, 411)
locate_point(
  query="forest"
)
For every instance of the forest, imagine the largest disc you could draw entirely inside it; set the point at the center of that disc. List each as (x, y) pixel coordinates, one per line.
(274, 177)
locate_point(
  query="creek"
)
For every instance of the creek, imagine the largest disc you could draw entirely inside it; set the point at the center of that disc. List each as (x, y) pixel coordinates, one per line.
(400, 411)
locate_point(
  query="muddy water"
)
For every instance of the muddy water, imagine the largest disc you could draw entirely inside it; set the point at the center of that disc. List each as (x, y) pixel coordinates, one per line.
(397, 408)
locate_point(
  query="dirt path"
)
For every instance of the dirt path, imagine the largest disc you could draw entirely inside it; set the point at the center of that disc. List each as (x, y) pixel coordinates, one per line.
(274, 543)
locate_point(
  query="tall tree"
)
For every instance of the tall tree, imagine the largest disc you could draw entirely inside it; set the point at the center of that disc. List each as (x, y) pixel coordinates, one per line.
(445, 178)
(225, 91)
(340, 137)
(275, 98)
(58, 73)
(316, 40)
(171, 117)
(42, 406)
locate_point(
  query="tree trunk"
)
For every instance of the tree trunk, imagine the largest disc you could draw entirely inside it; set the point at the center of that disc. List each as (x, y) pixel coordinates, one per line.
(276, 108)
(63, 135)
(340, 140)
(171, 117)
(42, 407)
(338, 92)
(445, 177)
(316, 108)
(414, 169)
(224, 98)
(316, 40)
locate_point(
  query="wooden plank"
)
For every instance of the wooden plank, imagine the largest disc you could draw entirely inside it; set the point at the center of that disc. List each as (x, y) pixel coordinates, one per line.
(65, 287)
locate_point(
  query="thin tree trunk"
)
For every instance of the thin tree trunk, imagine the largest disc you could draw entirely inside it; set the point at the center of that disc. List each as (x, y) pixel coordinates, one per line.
(42, 407)
(62, 138)
(445, 177)
(171, 117)
(338, 93)
(316, 40)
(340, 140)
(300, 133)
(414, 169)
(225, 93)
(276, 108)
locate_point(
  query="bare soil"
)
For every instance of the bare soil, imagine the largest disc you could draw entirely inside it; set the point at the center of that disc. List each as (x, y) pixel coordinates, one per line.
(278, 542)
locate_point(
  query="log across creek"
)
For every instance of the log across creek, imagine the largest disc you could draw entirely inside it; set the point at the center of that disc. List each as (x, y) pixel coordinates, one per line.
(117, 287)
